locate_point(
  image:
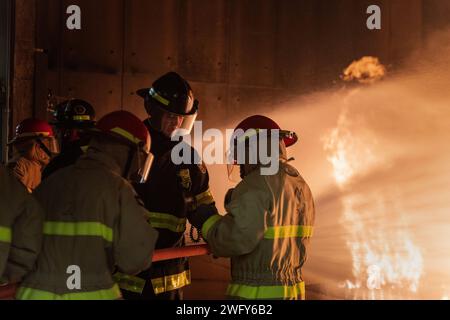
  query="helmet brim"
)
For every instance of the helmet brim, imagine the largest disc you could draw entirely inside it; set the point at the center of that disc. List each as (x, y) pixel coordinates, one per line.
(143, 93)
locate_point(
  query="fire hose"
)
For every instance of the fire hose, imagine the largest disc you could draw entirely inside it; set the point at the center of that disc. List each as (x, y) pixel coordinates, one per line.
(8, 291)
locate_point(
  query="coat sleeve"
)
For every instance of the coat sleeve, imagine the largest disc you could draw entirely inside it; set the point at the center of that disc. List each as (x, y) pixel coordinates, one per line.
(135, 239)
(26, 237)
(242, 228)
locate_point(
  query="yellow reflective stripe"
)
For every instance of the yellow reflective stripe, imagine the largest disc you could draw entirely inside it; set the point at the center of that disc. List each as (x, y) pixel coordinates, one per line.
(247, 134)
(5, 234)
(129, 283)
(172, 282)
(75, 229)
(267, 292)
(209, 223)
(168, 226)
(156, 96)
(126, 135)
(204, 198)
(165, 216)
(84, 148)
(81, 118)
(288, 232)
(166, 221)
(35, 294)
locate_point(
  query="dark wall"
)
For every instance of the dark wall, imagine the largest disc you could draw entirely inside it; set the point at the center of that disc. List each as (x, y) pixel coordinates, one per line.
(239, 54)
(6, 12)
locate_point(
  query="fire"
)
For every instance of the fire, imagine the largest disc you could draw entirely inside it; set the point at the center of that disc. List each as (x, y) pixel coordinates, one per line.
(349, 156)
(367, 70)
(385, 261)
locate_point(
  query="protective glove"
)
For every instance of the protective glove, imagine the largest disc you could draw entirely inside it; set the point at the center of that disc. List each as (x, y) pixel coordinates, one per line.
(203, 212)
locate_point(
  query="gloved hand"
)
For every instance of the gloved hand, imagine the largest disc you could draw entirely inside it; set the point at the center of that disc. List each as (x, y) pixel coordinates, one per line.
(203, 212)
(228, 197)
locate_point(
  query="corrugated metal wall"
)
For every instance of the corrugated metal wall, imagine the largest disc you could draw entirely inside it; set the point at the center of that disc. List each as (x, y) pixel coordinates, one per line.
(241, 55)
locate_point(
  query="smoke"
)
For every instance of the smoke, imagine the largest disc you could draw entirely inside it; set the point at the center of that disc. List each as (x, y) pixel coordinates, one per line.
(376, 158)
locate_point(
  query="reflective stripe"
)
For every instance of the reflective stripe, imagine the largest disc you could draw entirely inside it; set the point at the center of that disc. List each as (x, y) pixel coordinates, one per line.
(209, 223)
(5, 234)
(82, 118)
(267, 292)
(75, 229)
(166, 221)
(126, 135)
(204, 198)
(35, 294)
(129, 283)
(288, 232)
(172, 282)
(156, 96)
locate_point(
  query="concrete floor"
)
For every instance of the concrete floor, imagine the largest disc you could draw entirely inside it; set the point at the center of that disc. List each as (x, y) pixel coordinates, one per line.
(210, 279)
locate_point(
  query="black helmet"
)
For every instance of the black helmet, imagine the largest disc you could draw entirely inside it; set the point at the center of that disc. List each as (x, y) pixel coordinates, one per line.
(173, 95)
(75, 113)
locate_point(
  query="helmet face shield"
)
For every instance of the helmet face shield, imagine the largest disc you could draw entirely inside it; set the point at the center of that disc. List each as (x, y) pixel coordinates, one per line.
(145, 164)
(170, 123)
(51, 144)
(48, 144)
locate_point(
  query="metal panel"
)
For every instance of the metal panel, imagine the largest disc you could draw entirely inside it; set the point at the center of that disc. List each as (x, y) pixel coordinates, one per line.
(203, 40)
(371, 42)
(296, 54)
(406, 28)
(334, 45)
(245, 101)
(98, 46)
(102, 90)
(436, 15)
(252, 43)
(132, 83)
(151, 36)
(5, 60)
(213, 102)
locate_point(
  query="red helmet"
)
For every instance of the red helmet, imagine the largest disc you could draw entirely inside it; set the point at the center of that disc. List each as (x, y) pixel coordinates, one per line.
(258, 122)
(32, 128)
(126, 127)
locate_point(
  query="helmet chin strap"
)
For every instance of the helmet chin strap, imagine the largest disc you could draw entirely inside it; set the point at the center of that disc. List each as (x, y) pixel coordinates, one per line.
(43, 147)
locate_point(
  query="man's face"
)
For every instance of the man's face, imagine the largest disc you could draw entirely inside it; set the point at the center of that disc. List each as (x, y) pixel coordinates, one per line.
(169, 123)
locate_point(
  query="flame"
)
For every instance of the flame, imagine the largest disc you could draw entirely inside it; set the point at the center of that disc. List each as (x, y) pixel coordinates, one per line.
(349, 156)
(367, 70)
(385, 260)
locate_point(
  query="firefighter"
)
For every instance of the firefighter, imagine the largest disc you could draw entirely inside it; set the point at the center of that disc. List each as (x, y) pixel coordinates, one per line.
(171, 106)
(94, 221)
(269, 218)
(34, 145)
(73, 121)
(21, 220)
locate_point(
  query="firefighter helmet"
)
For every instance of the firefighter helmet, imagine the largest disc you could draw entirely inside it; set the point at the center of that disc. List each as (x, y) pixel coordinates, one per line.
(38, 130)
(258, 122)
(125, 127)
(74, 113)
(250, 135)
(173, 96)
